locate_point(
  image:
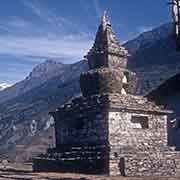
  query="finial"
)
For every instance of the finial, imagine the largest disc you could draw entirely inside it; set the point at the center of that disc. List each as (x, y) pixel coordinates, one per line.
(105, 20)
(105, 14)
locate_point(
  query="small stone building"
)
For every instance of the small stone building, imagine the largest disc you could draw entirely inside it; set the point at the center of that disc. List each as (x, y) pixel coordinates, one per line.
(108, 130)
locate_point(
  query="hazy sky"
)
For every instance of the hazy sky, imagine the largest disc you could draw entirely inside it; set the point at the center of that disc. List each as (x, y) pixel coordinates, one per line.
(32, 31)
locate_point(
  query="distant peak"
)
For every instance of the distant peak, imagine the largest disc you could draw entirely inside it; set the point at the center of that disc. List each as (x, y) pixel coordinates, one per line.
(4, 86)
(50, 61)
(47, 68)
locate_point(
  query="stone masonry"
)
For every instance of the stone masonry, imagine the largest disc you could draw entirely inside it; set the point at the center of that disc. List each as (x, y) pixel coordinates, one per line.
(108, 130)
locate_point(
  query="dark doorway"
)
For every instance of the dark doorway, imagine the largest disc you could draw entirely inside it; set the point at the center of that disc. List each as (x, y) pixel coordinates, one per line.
(122, 166)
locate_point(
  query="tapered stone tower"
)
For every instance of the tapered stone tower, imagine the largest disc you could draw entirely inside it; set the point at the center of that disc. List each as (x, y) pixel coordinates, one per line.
(107, 61)
(108, 130)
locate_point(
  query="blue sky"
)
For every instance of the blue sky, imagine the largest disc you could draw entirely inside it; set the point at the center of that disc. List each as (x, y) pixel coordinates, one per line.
(32, 31)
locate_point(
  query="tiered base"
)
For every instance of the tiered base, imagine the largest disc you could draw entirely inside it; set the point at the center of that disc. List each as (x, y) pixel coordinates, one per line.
(89, 160)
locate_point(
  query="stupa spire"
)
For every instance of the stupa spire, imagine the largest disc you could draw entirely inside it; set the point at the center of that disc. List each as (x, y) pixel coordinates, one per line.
(106, 50)
(105, 20)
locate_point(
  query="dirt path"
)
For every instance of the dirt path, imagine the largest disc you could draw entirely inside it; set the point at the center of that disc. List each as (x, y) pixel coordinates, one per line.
(62, 176)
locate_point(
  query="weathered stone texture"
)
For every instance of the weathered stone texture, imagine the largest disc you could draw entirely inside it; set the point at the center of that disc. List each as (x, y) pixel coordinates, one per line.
(81, 127)
(123, 132)
(153, 164)
(106, 80)
(106, 50)
(88, 119)
(122, 61)
(82, 159)
(135, 151)
(86, 123)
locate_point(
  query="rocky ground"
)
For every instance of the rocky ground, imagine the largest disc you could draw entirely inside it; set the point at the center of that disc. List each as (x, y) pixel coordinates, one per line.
(23, 171)
(5, 175)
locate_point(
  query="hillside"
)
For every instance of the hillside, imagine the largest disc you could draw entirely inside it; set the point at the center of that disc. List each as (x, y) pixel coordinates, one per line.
(25, 121)
(40, 74)
(153, 57)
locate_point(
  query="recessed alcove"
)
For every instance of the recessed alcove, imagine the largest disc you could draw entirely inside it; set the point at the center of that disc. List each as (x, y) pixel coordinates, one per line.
(139, 122)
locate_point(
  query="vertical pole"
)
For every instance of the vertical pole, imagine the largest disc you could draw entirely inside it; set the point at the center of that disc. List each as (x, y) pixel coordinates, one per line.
(176, 21)
(178, 25)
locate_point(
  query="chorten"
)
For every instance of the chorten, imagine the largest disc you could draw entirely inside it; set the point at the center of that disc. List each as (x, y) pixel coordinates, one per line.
(106, 51)
(107, 61)
(109, 130)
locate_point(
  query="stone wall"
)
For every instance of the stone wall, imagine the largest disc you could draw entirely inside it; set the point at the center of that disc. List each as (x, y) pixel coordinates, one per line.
(115, 61)
(147, 164)
(107, 80)
(80, 159)
(101, 81)
(97, 60)
(124, 132)
(87, 119)
(139, 148)
(85, 123)
(123, 125)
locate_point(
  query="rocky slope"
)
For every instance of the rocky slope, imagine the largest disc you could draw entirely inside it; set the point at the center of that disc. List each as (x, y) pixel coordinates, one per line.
(25, 126)
(40, 74)
(153, 57)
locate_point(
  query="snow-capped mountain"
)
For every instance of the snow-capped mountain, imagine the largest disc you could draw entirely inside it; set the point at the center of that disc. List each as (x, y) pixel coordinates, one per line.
(4, 86)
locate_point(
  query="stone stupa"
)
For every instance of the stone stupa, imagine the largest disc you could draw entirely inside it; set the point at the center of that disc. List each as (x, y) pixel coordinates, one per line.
(108, 130)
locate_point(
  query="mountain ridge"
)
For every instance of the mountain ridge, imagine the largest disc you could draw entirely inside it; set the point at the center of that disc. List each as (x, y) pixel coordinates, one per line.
(40, 74)
(4, 86)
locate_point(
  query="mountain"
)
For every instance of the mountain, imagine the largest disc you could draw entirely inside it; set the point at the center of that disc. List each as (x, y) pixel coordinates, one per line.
(149, 46)
(25, 125)
(153, 57)
(40, 74)
(168, 94)
(26, 129)
(4, 86)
